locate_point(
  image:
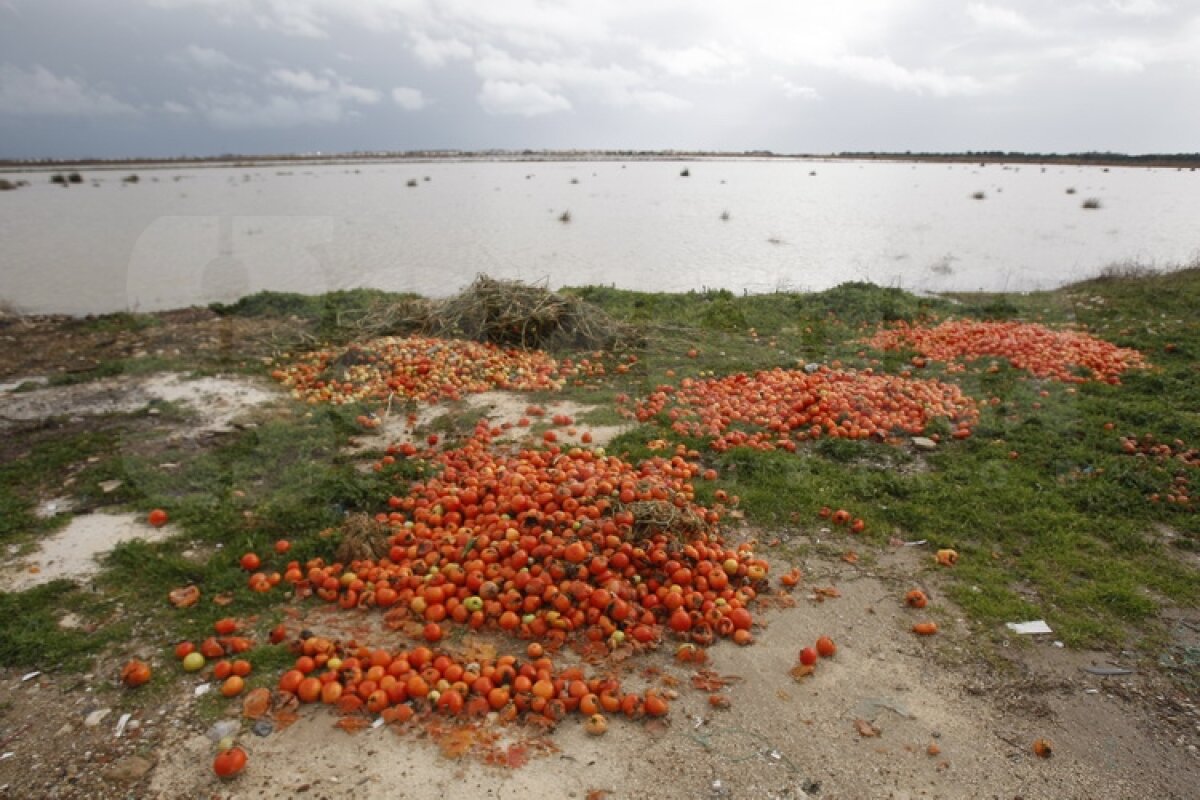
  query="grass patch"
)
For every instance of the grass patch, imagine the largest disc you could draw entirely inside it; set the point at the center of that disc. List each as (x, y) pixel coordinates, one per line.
(31, 635)
(330, 315)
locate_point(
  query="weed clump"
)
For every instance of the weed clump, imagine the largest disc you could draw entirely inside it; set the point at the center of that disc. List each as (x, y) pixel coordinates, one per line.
(362, 538)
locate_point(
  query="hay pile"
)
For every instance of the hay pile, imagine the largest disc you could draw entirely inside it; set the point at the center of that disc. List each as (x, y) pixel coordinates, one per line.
(507, 314)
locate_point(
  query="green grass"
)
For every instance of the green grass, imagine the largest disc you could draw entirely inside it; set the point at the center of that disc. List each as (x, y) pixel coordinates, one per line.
(330, 314)
(31, 635)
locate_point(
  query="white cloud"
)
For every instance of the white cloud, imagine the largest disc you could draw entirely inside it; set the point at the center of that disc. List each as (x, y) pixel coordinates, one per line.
(409, 99)
(693, 61)
(795, 91)
(435, 53)
(240, 111)
(525, 99)
(1138, 8)
(359, 94)
(38, 91)
(1101, 61)
(204, 57)
(292, 18)
(172, 107)
(656, 101)
(301, 80)
(993, 17)
(885, 72)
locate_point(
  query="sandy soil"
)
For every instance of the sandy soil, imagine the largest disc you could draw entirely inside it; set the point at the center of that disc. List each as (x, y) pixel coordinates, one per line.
(73, 551)
(501, 409)
(215, 401)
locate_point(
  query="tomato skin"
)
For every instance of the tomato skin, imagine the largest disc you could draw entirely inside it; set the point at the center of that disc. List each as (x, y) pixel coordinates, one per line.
(230, 762)
(135, 673)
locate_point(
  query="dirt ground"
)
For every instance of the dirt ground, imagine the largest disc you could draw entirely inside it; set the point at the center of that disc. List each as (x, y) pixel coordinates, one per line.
(892, 715)
(1127, 736)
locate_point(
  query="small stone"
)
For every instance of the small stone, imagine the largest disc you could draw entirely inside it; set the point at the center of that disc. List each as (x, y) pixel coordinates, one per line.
(263, 727)
(129, 770)
(96, 717)
(108, 487)
(924, 443)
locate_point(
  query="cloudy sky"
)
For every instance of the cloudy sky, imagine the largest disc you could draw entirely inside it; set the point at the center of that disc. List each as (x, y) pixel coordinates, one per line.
(114, 78)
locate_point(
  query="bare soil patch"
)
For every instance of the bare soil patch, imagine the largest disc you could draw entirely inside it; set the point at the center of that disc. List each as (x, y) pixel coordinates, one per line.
(73, 552)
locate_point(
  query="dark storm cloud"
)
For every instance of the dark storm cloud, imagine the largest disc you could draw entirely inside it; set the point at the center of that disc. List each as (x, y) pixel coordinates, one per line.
(169, 77)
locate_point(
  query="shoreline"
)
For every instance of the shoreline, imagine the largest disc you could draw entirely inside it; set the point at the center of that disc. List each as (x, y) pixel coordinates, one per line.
(1158, 161)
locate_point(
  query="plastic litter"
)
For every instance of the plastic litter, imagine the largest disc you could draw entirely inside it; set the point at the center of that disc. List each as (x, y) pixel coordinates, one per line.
(869, 708)
(121, 723)
(1107, 671)
(223, 728)
(1033, 626)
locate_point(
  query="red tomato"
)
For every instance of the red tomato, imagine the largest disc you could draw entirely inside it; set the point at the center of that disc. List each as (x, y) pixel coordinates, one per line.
(808, 656)
(230, 762)
(251, 562)
(157, 518)
(135, 673)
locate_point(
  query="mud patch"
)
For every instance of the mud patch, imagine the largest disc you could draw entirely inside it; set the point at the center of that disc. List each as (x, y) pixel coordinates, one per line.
(72, 553)
(216, 402)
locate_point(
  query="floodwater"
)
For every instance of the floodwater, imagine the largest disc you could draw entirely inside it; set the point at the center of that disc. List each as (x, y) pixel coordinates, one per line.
(187, 236)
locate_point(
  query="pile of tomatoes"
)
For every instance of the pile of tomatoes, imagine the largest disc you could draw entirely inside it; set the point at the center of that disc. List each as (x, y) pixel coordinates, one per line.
(544, 546)
(394, 685)
(1065, 355)
(776, 409)
(424, 369)
(1174, 455)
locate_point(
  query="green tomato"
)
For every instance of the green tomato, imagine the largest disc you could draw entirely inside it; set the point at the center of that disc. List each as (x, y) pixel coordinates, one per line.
(193, 662)
(473, 603)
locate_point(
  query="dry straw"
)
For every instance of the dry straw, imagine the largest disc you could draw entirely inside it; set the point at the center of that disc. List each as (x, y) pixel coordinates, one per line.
(504, 313)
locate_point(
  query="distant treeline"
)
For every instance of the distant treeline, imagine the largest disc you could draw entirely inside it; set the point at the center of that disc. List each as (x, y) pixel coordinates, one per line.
(1180, 160)
(1191, 160)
